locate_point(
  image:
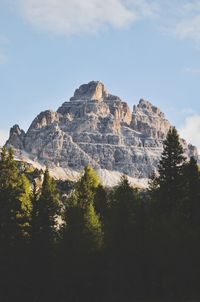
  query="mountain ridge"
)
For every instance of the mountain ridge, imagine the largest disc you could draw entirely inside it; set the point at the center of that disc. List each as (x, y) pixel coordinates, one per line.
(97, 128)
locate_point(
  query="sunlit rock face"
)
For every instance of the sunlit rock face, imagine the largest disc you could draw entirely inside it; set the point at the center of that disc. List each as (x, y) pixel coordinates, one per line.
(149, 120)
(97, 128)
(17, 137)
(92, 91)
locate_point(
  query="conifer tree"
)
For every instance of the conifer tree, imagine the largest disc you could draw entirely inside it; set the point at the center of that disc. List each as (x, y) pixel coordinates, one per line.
(92, 231)
(24, 215)
(124, 208)
(172, 158)
(86, 187)
(34, 226)
(46, 212)
(169, 183)
(15, 204)
(83, 226)
(191, 204)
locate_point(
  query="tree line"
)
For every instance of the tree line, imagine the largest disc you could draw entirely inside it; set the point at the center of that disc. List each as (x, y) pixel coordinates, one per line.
(98, 244)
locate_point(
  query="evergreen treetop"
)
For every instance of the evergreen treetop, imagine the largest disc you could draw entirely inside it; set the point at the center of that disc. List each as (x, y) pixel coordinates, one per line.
(172, 158)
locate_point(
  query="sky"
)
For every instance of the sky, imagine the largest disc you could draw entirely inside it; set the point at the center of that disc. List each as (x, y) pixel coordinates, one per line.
(138, 48)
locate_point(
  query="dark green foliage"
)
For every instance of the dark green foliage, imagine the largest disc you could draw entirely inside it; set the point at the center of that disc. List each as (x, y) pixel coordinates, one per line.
(46, 211)
(116, 244)
(64, 187)
(15, 201)
(169, 184)
(86, 187)
(123, 215)
(25, 212)
(15, 216)
(191, 204)
(83, 226)
(172, 158)
(174, 241)
(35, 212)
(101, 203)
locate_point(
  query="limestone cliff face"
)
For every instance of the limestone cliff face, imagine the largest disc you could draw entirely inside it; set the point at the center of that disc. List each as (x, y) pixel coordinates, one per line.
(17, 137)
(97, 128)
(149, 120)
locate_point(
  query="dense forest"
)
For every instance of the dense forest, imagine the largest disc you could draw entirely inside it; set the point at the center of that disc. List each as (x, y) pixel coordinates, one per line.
(92, 243)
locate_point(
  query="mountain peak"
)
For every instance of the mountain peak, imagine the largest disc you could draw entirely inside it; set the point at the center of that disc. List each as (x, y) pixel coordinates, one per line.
(147, 107)
(97, 128)
(94, 90)
(17, 136)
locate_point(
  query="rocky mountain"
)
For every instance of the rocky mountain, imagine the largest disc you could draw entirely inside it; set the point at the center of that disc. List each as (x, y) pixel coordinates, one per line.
(96, 128)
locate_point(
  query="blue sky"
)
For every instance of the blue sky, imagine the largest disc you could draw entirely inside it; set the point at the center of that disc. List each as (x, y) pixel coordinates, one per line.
(138, 48)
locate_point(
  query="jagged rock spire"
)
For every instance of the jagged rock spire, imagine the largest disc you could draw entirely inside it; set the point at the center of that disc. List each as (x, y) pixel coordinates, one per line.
(94, 90)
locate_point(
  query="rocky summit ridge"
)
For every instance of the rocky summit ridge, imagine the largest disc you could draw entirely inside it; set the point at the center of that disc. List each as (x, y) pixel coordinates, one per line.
(99, 129)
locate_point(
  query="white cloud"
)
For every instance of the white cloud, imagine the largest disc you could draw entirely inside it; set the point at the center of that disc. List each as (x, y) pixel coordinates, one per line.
(189, 29)
(191, 130)
(84, 16)
(179, 18)
(3, 137)
(186, 23)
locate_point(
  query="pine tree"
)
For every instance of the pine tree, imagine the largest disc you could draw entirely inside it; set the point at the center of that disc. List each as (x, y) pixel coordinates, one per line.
(172, 158)
(123, 215)
(15, 205)
(83, 231)
(34, 225)
(169, 183)
(46, 210)
(92, 232)
(24, 215)
(86, 187)
(8, 168)
(191, 203)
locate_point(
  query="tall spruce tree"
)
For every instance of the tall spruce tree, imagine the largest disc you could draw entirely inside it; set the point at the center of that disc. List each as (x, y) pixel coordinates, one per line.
(191, 202)
(83, 227)
(46, 210)
(25, 212)
(15, 203)
(123, 215)
(169, 183)
(86, 187)
(34, 226)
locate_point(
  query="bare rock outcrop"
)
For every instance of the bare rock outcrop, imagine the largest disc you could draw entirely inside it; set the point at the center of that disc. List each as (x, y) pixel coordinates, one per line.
(97, 128)
(17, 137)
(149, 120)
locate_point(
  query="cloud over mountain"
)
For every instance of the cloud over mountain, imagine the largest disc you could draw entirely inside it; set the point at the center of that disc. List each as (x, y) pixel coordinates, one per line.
(191, 130)
(180, 19)
(88, 16)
